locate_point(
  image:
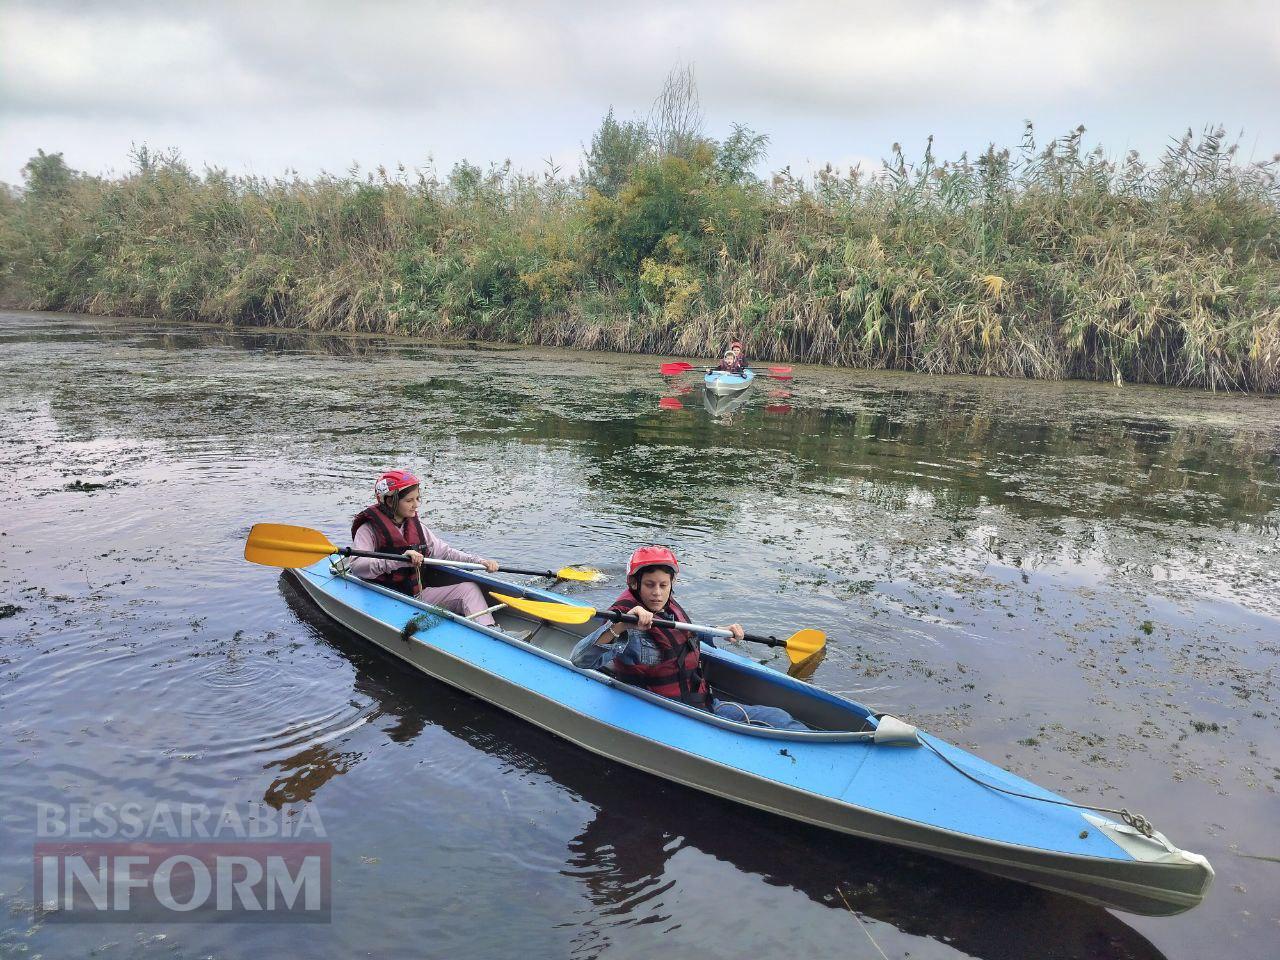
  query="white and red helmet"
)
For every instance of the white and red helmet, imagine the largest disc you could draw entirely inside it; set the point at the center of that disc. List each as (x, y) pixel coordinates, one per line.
(652, 556)
(392, 482)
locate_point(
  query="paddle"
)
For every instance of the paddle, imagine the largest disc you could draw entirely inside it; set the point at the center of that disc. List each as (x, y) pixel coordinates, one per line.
(284, 545)
(677, 367)
(800, 646)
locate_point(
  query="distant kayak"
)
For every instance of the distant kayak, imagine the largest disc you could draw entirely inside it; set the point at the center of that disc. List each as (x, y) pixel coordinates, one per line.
(721, 381)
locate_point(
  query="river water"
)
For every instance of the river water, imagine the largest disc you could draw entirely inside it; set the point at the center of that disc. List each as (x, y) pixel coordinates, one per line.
(1076, 582)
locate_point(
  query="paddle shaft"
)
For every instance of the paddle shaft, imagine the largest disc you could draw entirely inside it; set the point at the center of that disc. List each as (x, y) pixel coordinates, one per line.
(782, 373)
(466, 565)
(460, 564)
(617, 617)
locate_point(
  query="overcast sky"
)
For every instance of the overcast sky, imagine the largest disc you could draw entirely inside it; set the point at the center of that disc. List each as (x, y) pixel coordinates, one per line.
(270, 85)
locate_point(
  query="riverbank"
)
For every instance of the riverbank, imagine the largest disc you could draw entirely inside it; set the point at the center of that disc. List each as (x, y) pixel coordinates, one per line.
(1051, 263)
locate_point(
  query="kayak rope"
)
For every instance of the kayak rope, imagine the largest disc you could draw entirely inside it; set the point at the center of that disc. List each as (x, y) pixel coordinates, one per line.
(1135, 820)
(340, 568)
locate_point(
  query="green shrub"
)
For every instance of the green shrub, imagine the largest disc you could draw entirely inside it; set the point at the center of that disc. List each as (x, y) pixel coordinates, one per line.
(1032, 262)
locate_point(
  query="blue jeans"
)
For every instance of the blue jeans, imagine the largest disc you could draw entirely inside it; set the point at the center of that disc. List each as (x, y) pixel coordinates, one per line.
(756, 714)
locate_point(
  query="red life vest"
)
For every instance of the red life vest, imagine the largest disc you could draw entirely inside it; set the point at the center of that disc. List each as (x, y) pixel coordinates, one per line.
(678, 674)
(391, 539)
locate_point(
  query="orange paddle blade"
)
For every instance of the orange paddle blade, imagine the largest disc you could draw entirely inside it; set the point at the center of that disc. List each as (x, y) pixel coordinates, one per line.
(284, 545)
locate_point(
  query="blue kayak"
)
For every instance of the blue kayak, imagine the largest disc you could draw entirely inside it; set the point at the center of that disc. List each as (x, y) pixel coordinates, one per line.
(721, 381)
(856, 772)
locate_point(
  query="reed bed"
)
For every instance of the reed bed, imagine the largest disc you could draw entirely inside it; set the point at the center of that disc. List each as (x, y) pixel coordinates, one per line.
(1041, 261)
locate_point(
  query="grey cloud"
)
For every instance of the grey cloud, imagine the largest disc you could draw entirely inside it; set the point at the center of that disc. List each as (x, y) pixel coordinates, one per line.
(142, 59)
(472, 72)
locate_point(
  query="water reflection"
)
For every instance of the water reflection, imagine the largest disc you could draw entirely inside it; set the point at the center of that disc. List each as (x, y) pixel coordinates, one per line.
(269, 340)
(623, 855)
(968, 448)
(970, 445)
(725, 405)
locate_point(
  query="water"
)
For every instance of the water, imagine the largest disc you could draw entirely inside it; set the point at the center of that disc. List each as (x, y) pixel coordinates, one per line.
(1074, 581)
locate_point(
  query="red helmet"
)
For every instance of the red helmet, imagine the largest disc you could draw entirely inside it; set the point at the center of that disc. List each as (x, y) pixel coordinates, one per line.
(736, 345)
(393, 481)
(652, 557)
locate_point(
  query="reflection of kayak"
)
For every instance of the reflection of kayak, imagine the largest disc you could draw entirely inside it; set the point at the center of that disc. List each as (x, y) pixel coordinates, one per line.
(721, 381)
(855, 772)
(719, 404)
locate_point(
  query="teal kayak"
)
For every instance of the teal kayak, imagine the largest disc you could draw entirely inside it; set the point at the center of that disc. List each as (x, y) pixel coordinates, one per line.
(721, 381)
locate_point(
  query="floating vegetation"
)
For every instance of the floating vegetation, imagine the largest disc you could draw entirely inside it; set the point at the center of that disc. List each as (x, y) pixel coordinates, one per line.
(423, 621)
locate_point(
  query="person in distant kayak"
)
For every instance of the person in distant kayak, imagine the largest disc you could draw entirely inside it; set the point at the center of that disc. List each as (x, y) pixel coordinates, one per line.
(661, 659)
(728, 363)
(392, 526)
(734, 360)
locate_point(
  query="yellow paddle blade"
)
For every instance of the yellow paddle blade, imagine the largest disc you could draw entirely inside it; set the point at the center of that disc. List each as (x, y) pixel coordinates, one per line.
(555, 612)
(581, 576)
(805, 644)
(283, 545)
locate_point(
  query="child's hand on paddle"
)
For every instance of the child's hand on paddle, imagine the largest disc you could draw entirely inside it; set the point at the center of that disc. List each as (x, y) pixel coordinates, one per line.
(644, 617)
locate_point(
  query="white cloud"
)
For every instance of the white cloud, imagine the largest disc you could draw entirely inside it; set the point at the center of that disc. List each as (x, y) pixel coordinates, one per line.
(58, 65)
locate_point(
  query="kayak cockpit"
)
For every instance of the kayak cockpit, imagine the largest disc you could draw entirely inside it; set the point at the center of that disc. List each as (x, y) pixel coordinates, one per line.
(746, 683)
(731, 678)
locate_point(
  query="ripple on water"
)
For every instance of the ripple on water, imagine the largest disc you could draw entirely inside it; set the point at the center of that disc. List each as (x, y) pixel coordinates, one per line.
(300, 734)
(251, 703)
